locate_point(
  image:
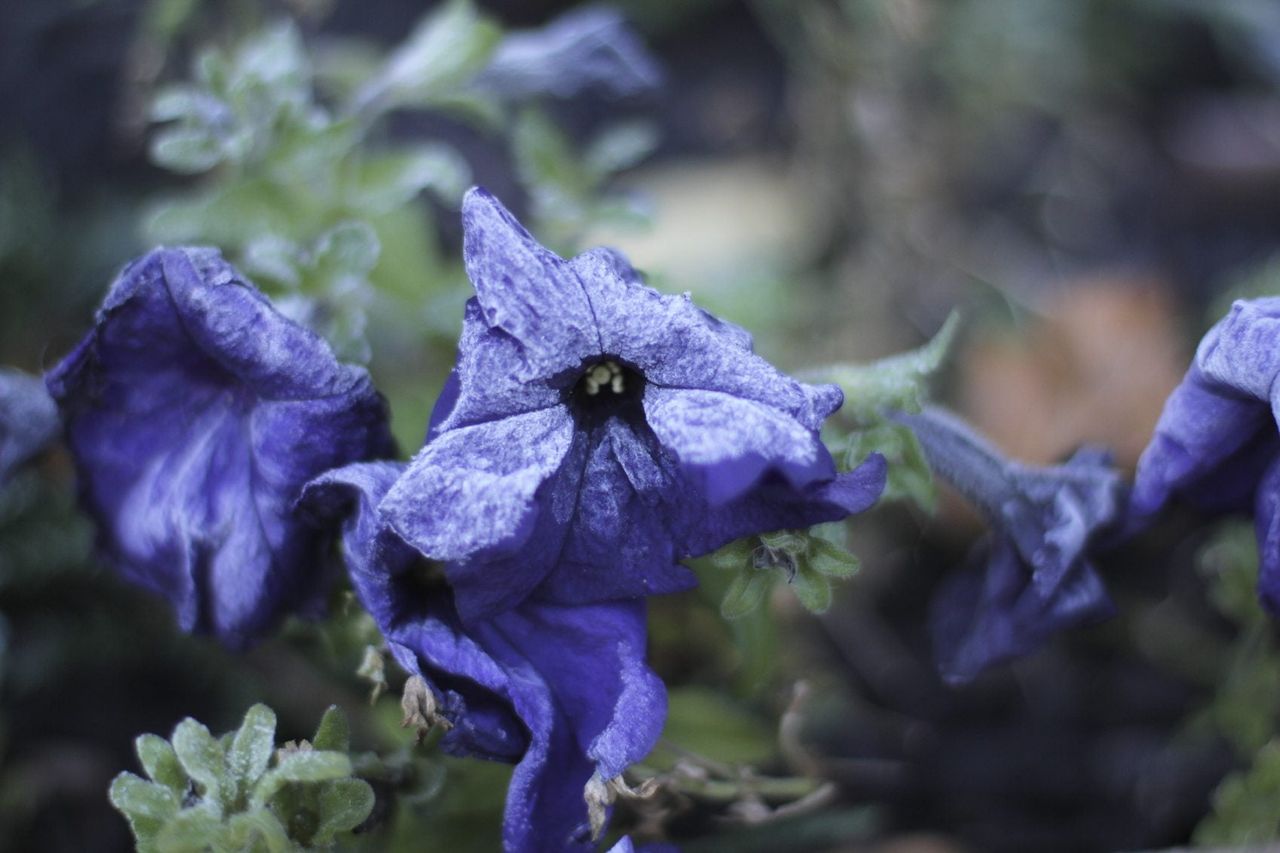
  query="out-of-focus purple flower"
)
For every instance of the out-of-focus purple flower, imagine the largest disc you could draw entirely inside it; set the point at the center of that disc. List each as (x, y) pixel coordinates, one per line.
(1036, 578)
(28, 419)
(1216, 444)
(196, 413)
(594, 432)
(588, 48)
(562, 691)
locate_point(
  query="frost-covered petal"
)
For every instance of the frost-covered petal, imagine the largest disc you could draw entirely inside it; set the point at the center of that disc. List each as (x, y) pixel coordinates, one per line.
(526, 291)
(1267, 523)
(477, 495)
(28, 419)
(562, 690)
(415, 612)
(676, 344)
(728, 444)
(196, 413)
(587, 48)
(484, 386)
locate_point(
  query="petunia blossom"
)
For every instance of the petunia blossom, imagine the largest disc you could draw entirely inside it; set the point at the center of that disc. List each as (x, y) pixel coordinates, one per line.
(561, 691)
(1216, 444)
(594, 432)
(196, 413)
(1034, 577)
(28, 419)
(585, 48)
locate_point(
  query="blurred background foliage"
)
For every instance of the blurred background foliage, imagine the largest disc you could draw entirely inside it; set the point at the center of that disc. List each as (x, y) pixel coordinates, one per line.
(1088, 182)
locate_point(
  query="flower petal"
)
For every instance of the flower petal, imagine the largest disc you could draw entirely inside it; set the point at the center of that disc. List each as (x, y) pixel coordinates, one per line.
(196, 413)
(1267, 522)
(582, 49)
(28, 419)
(728, 444)
(525, 290)
(676, 344)
(476, 496)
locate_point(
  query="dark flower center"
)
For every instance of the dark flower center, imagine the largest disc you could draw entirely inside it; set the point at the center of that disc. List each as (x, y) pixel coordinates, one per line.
(606, 388)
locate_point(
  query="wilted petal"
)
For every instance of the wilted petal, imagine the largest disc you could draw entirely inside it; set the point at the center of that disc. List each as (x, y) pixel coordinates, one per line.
(196, 413)
(28, 419)
(587, 48)
(1038, 580)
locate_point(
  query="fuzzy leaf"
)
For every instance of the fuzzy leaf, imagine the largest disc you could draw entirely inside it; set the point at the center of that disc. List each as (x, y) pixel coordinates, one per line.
(161, 762)
(146, 805)
(203, 759)
(192, 830)
(187, 150)
(312, 766)
(350, 247)
(333, 733)
(1244, 806)
(251, 748)
(734, 556)
(258, 830)
(620, 147)
(830, 560)
(344, 805)
(897, 382)
(387, 181)
(813, 590)
(745, 594)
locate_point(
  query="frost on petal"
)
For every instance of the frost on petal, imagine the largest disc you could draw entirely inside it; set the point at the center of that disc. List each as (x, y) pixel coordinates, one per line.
(1267, 525)
(487, 498)
(526, 291)
(195, 414)
(728, 444)
(563, 691)
(676, 344)
(28, 419)
(588, 48)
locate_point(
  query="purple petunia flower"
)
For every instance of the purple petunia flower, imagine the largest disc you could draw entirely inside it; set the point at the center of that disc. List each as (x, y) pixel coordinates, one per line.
(1216, 443)
(594, 432)
(562, 691)
(587, 48)
(196, 413)
(28, 419)
(1035, 579)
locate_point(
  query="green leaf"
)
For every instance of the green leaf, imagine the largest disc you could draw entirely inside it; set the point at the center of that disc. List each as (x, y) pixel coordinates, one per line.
(301, 766)
(443, 53)
(146, 805)
(830, 560)
(736, 555)
(350, 248)
(272, 258)
(251, 749)
(708, 723)
(161, 762)
(1244, 806)
(258, 830)
(202, 758)
(896, 382)
(192, 830)
(333, 733)
(812, 589)
(387, 181)
(746, 593)
(187, 150)
(344, 805)
(620, 147)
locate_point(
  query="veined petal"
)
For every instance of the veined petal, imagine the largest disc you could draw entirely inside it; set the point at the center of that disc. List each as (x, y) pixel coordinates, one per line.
(195, 414)
(675, 343)
(1242, 351)
(729, 444)
(526, 291)
(477, 494)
